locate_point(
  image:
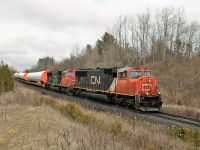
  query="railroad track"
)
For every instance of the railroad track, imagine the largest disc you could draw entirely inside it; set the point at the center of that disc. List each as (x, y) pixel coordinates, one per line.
(183, 119)
(90, 103)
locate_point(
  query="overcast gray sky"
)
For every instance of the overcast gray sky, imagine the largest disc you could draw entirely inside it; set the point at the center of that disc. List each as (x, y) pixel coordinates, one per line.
(31, 29)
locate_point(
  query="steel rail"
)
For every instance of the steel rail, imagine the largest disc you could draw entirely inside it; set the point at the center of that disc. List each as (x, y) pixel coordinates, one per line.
(184, 119)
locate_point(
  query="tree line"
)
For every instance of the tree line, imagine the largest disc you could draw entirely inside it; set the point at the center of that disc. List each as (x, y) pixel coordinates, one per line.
(6, 81)
(165, 36)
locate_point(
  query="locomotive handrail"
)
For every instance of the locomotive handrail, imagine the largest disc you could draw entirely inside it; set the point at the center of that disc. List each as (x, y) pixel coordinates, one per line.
(138, 91)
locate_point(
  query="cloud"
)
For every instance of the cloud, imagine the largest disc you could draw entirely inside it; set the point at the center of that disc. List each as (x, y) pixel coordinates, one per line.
(59, 13)
(30, 29)
(37, 28)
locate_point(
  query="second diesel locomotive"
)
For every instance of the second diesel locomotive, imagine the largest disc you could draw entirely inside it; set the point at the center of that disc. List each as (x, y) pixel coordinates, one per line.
(133, 87)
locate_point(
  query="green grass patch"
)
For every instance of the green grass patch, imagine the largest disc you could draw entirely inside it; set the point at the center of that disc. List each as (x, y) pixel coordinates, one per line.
(186, 134)
(73, 111)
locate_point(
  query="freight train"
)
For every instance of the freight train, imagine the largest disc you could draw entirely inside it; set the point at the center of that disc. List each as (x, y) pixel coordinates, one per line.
(133, 87)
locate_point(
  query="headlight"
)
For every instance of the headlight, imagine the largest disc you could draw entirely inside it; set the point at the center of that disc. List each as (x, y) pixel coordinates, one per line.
(147, 93)
(149, 79)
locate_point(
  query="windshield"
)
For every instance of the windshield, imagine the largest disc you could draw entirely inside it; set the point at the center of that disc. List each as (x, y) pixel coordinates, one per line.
(135, 74)
(147, 73)
(69, 74)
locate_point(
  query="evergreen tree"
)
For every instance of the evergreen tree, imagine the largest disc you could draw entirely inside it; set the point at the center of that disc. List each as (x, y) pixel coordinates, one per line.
(6, 81)
(106, 42)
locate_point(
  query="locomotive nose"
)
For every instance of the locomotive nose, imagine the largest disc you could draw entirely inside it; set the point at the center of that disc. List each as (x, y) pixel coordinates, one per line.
(149, 86)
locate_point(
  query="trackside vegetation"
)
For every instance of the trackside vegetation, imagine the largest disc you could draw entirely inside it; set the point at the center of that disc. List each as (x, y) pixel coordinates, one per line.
(33, 120)
(187, 134)
(6, 81)
(115, 128)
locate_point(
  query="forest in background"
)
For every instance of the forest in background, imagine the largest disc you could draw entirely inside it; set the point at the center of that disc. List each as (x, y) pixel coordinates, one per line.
(164, 41)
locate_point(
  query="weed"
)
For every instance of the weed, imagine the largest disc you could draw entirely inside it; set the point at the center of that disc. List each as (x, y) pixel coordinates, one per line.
(49, 100)
(73, 110)
(186, 134)
(116, 129)
(152, 146)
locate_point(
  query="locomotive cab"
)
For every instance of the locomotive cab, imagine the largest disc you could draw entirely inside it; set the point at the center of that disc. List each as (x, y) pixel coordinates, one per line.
(68, 78)
(68, 81)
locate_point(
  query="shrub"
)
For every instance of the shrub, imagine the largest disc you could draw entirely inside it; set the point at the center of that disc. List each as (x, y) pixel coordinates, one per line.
(186, 134)
(73, 110)
(49, 100)
(6, 81)
(116, 129)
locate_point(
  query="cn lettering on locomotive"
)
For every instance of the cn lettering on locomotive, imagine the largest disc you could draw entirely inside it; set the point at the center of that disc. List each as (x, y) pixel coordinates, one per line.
(95, 80)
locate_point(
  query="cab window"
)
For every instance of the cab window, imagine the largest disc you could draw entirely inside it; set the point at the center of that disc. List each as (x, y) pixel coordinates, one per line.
(123, 74)
(135, 74)
(147, 73)
(69, 74)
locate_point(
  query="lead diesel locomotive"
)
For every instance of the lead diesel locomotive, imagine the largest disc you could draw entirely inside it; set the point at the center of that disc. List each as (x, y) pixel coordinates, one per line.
(133, 87)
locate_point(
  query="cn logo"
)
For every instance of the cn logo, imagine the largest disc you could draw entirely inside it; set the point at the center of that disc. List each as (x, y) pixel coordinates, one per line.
(95, 80)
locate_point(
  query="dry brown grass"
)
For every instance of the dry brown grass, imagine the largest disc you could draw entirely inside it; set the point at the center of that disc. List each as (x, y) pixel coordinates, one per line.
(21, 96)
(179, 82)
(26, 122)
(182, 110)
(45, 128)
